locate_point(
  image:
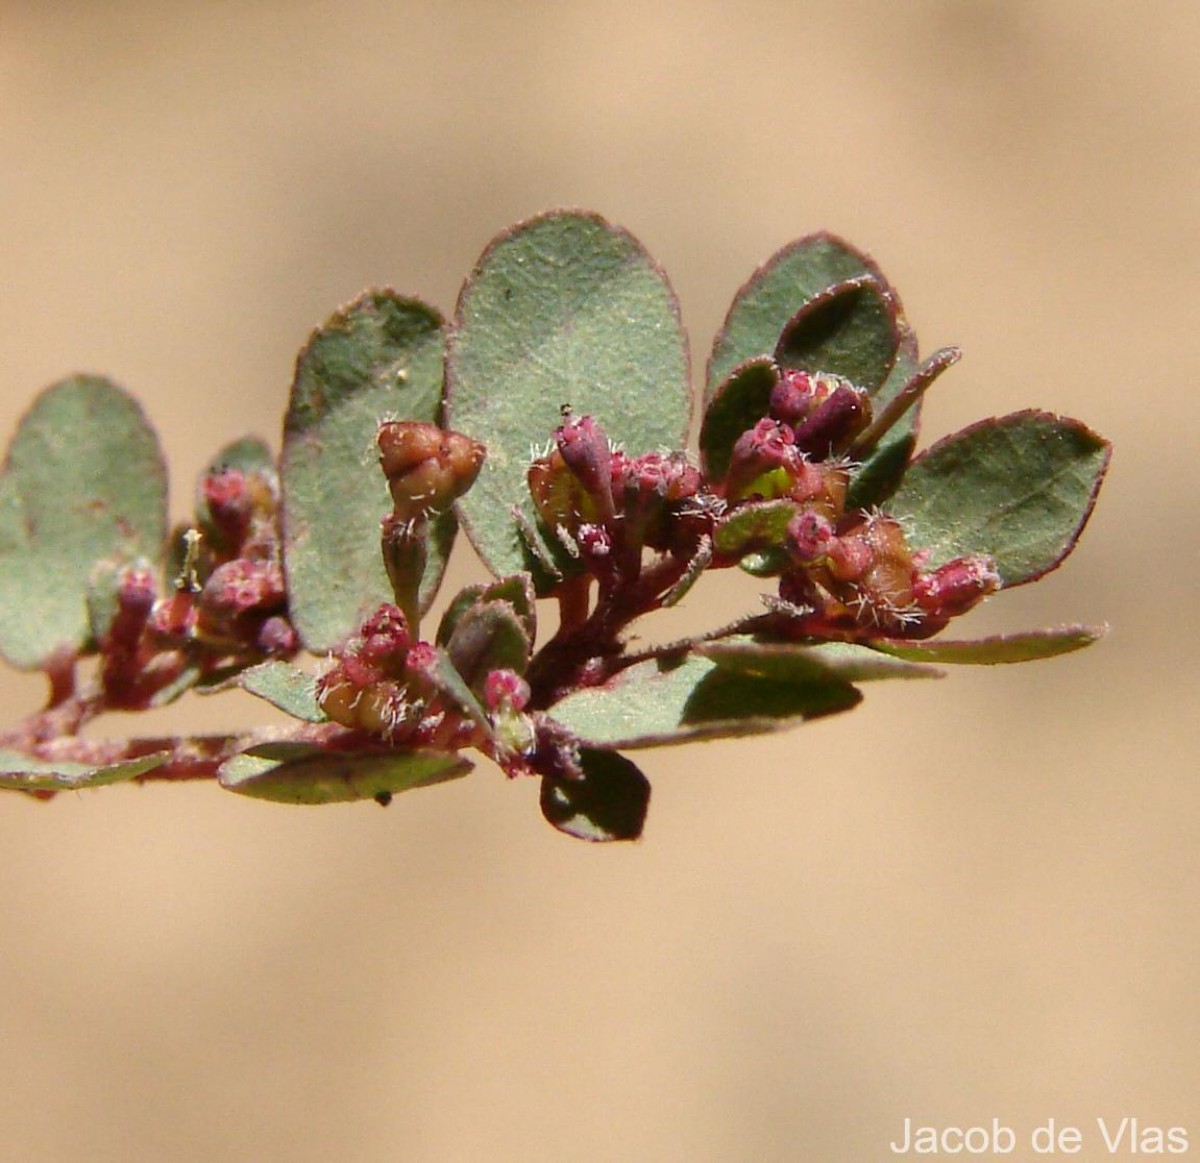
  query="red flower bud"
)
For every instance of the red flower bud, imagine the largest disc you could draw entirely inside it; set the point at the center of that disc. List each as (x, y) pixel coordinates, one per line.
(825, 411)
(957, 586)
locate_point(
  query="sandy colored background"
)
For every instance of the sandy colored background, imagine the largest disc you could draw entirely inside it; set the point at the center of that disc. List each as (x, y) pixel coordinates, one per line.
(967, 900)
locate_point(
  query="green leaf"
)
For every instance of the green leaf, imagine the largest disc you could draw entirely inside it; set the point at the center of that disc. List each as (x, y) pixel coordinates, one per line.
(84, 483)
(1001, 648)
(563, 309)
(451, 685)
(20, 772)
(740, 402)
(608, 803)
(489, 636)
(1019, 488)
(665, 701)
(285, 686)
(758, 526)
(771, 297)
(789, 662)
(849, 329)
(299, 773)
(380, 357)
(516, 590)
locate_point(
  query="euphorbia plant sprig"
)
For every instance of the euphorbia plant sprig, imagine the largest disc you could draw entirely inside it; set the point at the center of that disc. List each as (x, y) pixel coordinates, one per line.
(550, 419)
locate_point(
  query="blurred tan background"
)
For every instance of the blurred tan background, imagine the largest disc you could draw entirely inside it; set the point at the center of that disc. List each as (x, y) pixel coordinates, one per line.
(967, 900)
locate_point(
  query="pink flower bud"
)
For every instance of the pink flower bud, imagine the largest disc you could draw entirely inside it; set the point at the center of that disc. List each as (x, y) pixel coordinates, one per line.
(809, 537)
(278, 638)
(136, 592)
(763, 462)
(226, 496)
(505, 690)
(584, 448)
(173, 620)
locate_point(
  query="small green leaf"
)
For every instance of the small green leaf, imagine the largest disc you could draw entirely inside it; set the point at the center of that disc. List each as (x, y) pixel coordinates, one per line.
(789, 662)
(1019, 488)
(666, 701)
(489, 636)
(740, 402)
(516, 590)
(608, 803)
(765, 562)
(757, 526)
(563, 309)
(298, 773)
(380, 357)
(285, 686)
(1025, 647)
(452, 686)
(84, 483)
(21, 772)
(849, 329)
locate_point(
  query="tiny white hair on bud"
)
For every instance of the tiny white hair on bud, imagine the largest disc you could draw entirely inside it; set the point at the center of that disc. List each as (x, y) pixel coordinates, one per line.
(568, 542)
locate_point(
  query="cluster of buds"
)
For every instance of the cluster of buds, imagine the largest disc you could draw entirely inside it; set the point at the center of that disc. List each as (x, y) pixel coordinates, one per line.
(230, 598)
(606, 507)
(383, 685)
(228, 602)
(858, 576)
(849, 574)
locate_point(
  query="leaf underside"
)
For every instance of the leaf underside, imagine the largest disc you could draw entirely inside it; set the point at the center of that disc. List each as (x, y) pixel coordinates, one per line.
(608, 803)
(670, 701)
(294, 773)
(21, 772)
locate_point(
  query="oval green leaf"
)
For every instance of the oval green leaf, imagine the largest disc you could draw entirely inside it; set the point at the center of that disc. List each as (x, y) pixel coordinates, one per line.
(1001, 648)
(380, 357)
(20, 772)
(84, 484)
(298, 773)
(1019, 488)
(608, 803)
(789, 662)
(757, 526)
(664, 701)
(489, 636)
(564, 309)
